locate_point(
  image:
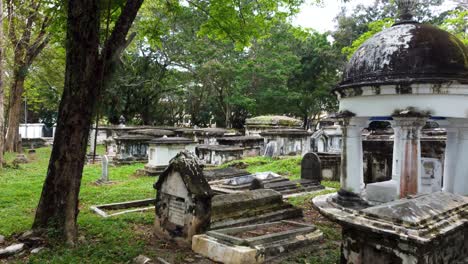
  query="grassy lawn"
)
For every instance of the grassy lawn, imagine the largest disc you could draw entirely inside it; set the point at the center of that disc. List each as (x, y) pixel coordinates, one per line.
(119, 239)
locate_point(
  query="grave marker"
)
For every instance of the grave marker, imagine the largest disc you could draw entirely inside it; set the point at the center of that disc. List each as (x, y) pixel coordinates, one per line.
(183, 200)
(311, 168)
(105, 169)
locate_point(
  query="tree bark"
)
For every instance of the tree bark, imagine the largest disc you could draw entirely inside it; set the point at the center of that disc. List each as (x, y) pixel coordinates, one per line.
(86, 74)
(2, 93)
(26, 48)
(58, 206)
(14, 114)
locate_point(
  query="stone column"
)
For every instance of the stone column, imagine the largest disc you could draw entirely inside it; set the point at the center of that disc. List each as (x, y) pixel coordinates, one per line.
(407, 154)
(460, 173)
(450, 163)
(352, 167)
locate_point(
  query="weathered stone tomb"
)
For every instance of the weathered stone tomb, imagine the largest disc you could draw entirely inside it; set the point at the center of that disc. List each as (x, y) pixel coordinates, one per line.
(183, 199)
(162, 150)
(218, 154)
(288, 141)
(408, 74)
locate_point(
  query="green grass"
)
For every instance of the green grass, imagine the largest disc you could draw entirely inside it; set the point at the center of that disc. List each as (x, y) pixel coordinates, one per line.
(117, 239)
(103, 240)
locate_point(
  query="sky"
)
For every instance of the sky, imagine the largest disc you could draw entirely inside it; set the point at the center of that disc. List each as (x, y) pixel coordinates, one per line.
(321, 17)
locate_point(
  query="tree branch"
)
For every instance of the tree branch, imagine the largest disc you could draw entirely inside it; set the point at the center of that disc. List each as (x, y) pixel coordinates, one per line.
(117, 40)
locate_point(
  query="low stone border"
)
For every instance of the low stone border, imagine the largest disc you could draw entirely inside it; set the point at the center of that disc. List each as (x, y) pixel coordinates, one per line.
(100, 209)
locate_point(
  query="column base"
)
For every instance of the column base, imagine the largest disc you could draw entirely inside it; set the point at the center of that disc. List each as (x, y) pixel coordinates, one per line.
(350, 200)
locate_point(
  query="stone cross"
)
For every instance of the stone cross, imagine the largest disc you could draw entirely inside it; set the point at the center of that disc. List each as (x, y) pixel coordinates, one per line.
(105, 171)
(311, 168)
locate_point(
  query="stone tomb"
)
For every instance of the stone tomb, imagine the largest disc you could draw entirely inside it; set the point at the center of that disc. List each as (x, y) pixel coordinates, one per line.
(218, 154)
(255, 243)
(428, 229)
(224, 173)
(250, 207)
(311, 177)
(131, 149)
(253, 145)
(162, 150)
(205, 136)
(183, 200)
(288, 141)
(256, 125)
(185, 205)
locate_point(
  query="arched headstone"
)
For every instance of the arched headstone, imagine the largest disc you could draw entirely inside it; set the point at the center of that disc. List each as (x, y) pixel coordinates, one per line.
(311, 168)
(183, 200)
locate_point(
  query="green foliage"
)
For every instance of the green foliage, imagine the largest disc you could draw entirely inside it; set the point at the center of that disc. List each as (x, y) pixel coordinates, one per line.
(373, 28)
(365, 21)
(309, 88)
(457, 23)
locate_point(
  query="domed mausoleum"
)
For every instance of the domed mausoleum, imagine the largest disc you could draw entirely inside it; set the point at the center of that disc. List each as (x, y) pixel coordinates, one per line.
(408, 74)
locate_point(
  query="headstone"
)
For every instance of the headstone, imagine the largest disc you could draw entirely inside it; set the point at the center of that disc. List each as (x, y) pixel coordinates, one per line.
(311, 168)
(431, 175)
(183, 200)
(270, 149)
(105, 169)
(122, 121)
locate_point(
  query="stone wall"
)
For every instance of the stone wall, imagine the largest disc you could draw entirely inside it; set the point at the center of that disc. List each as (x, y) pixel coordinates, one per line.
(362, 246)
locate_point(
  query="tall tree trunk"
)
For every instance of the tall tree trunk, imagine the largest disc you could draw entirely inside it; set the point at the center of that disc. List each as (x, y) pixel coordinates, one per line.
(2, 94)
(14, 114)
(58, 206)
(86, 74)
(26, 48)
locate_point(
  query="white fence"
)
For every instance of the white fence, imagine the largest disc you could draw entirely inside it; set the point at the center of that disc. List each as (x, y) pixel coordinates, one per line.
(33, 130)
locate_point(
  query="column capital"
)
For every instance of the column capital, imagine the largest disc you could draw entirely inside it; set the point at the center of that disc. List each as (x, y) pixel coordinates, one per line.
(417, 122)
(360, 122)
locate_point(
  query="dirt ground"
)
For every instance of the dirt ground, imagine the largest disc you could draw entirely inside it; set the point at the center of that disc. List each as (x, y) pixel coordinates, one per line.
(171, 252)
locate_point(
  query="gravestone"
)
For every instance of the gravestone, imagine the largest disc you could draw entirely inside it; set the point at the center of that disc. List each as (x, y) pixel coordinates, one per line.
(270, 149)
(183, 200)
(311, 168)
(105, 171)
(431, 175)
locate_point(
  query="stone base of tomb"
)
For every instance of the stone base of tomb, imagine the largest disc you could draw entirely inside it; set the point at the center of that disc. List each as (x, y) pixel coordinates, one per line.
(266, 180)
(151, 170)
(349, 200)
(250, 207)
(128, 161)
(255, 243)
(223, 173)
(426, 229)
(297, 186)
(90, 159)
